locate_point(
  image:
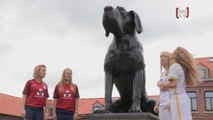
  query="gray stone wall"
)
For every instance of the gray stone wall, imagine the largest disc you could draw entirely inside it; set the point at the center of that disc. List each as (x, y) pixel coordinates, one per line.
(120, 116)
(6, 117)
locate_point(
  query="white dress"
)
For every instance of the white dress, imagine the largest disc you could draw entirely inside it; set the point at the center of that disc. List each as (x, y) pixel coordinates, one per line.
(164, 110)
(179, 101)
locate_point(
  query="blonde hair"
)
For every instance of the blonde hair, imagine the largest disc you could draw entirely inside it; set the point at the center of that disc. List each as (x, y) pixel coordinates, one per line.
(189, 65)
(36, 70)
(167, 54)
(62, 81)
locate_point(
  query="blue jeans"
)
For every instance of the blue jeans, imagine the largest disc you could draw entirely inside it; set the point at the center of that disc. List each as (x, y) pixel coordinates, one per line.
(64, 115)
(33, 113)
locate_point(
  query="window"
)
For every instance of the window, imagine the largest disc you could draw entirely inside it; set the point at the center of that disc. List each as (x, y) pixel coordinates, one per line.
(193, 100)
(204, 72)
(210, 59)
(96, 106)
(209, 101)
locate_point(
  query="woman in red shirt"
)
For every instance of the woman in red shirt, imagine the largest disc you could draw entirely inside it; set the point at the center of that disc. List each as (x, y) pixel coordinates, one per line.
(66, 96)
(35, 96)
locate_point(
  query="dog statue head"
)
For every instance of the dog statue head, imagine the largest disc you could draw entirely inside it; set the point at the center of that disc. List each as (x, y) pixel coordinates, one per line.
(119, 22)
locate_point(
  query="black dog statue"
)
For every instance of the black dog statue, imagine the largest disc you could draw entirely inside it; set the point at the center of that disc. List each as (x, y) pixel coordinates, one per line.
(124, 63)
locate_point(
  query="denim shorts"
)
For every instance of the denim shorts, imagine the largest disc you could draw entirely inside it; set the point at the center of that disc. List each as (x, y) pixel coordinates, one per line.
(64, 114)
(34, 113)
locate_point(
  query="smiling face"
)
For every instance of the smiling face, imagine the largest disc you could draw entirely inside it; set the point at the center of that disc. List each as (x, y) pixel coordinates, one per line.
(164, 59)
(42, 72)
(67, 74)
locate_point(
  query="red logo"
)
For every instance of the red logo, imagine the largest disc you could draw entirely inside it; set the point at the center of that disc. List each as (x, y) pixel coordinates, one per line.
(182, 12)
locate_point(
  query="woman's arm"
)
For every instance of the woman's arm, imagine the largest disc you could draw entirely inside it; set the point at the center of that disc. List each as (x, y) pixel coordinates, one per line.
(46, 109)
(23, 105)
(156, 107)
(171, 84)
(55, 102)
(76, 109)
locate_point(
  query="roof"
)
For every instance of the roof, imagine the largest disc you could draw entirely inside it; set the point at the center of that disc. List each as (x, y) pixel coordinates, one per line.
(86, 103)
(10, 105)
(207, 62)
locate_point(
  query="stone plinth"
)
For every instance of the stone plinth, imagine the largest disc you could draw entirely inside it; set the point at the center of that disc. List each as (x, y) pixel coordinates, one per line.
(120, 116)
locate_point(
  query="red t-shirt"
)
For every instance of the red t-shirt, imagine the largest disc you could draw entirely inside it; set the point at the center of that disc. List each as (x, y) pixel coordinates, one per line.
(66, 98)
(36, 93)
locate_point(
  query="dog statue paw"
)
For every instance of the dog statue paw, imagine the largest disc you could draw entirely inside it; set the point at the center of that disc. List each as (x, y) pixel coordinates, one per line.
(134, 110)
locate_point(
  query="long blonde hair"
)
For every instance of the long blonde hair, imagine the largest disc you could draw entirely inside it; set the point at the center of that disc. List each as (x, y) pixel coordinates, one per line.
(189, 65)
(62, 81)
(167, 54)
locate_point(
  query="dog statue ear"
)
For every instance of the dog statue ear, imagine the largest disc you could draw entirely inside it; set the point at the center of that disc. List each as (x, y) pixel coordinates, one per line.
(137, 22)
(107, 33)
(106, 27)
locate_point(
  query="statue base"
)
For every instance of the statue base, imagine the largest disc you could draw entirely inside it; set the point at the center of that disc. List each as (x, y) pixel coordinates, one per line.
(120, 116)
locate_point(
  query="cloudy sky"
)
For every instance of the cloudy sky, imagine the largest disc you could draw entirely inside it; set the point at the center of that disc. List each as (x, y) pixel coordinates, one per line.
(69, 33)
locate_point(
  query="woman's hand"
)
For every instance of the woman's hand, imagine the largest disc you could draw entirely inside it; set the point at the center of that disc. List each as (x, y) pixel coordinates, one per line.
(156, 108)
(75, 117)
(167, 106)
(46, 116)
(54, 116)
(160, 85)
(23, 114)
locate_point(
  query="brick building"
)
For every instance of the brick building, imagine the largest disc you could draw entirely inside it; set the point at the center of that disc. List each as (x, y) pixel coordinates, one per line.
(10, 107)
(202, 96)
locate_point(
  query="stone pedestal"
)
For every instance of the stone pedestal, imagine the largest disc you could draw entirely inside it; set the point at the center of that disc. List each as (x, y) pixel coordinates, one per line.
(120, 116)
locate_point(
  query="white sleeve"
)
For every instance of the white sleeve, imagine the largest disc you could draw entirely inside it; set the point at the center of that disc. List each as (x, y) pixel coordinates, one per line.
(173, 71)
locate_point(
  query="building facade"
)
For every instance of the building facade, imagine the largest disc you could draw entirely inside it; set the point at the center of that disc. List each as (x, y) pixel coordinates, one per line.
(202, 96)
